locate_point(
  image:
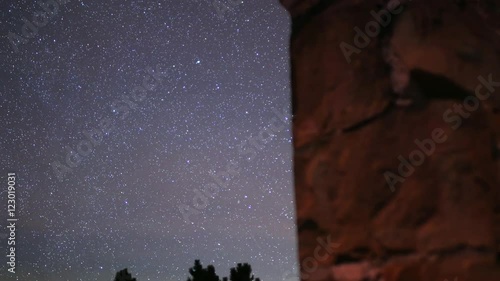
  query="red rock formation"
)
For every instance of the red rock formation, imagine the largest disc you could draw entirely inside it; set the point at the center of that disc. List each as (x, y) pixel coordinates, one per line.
(416, 94)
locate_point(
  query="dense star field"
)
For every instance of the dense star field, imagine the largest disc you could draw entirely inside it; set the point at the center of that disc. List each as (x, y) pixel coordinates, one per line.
(120, 120)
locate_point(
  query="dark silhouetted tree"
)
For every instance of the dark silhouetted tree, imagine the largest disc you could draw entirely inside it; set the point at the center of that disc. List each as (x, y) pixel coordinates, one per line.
(123, 275)
(198, 273)
(242, 272)
(210, 274)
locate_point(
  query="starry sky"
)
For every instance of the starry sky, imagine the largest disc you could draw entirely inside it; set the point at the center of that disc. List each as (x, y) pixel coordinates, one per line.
(221, 79)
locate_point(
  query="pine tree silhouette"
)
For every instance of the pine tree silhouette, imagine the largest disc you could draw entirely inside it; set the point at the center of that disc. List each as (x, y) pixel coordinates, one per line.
(242, 272)
(198, 273)
(210, 274)
(123, 275)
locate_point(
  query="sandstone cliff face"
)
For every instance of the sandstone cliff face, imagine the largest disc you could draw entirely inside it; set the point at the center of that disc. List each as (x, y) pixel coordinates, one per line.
(397, 139)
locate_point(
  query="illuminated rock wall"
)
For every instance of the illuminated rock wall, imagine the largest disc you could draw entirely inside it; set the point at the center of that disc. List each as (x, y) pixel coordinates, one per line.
(397, 139)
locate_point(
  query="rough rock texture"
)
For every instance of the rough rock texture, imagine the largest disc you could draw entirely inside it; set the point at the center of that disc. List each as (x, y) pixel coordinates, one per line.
(352, 127)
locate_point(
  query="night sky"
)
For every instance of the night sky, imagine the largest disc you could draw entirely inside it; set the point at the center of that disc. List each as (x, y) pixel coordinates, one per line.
(154, 97)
